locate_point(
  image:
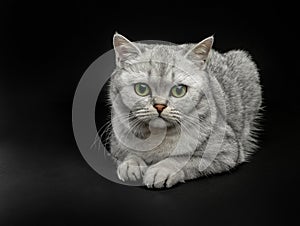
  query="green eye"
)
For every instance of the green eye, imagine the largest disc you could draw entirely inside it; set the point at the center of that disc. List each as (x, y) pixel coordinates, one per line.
(142, 89)
(178, 91)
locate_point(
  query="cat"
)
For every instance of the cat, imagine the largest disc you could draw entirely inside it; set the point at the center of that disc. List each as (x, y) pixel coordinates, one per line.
(168, 101)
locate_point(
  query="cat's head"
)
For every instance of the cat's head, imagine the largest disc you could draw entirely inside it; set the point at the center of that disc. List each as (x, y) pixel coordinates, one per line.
(155, 81)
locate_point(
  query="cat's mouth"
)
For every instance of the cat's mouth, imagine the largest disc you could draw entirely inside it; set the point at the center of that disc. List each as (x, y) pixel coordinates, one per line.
(158, 123)
(165, 120)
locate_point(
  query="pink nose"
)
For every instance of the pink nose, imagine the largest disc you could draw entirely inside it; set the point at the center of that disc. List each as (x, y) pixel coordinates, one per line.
(160, 107)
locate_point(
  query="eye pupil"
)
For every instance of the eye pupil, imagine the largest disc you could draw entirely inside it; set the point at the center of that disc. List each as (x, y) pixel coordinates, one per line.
(142, 88)
(179, 90)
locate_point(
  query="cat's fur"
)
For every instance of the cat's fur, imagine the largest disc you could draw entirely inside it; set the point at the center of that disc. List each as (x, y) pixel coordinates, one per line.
(232, 79)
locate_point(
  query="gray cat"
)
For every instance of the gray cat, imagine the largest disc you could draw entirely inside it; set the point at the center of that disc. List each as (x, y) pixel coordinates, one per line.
(181, 111)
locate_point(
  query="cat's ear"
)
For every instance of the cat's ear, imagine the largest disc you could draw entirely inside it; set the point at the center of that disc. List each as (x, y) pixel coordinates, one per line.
(124, 48)
(200, 51)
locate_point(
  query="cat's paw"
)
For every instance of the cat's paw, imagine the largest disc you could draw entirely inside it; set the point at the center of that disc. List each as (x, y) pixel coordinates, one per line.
(131, 169)
(159, 176)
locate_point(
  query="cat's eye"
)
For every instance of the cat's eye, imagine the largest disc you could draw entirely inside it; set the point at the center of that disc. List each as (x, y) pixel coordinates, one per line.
(142, 89)
(178, 91)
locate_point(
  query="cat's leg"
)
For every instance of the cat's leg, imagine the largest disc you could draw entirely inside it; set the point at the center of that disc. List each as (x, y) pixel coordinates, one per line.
(172, 170)
(165, 173)
(225, 160)
(131, 168)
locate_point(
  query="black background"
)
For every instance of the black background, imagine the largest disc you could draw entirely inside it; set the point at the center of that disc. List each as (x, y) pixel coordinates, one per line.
(46, 47)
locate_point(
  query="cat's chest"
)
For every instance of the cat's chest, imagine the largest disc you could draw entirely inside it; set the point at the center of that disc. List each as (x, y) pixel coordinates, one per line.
(162, 150)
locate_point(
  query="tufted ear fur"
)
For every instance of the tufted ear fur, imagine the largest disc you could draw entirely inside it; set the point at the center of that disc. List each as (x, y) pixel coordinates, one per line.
(124, 48)
(200, 51)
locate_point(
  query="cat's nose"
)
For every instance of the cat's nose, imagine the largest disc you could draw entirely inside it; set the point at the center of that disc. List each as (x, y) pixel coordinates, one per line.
(159, 107)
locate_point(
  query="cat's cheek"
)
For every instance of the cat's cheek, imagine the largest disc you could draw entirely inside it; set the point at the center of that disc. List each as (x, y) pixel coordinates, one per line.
(190, 102)
(131, 100)
(184, 105)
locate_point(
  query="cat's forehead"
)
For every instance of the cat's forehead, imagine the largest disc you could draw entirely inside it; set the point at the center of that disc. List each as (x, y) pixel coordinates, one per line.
(168, 54)
(162, 60)
(163, 63)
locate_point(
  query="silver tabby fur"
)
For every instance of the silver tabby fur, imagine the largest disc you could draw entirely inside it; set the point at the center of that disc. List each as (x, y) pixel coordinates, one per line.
(162, 66)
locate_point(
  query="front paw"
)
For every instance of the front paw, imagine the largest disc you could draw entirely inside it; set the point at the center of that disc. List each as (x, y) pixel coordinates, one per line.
(131, 169)
(159, 176)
